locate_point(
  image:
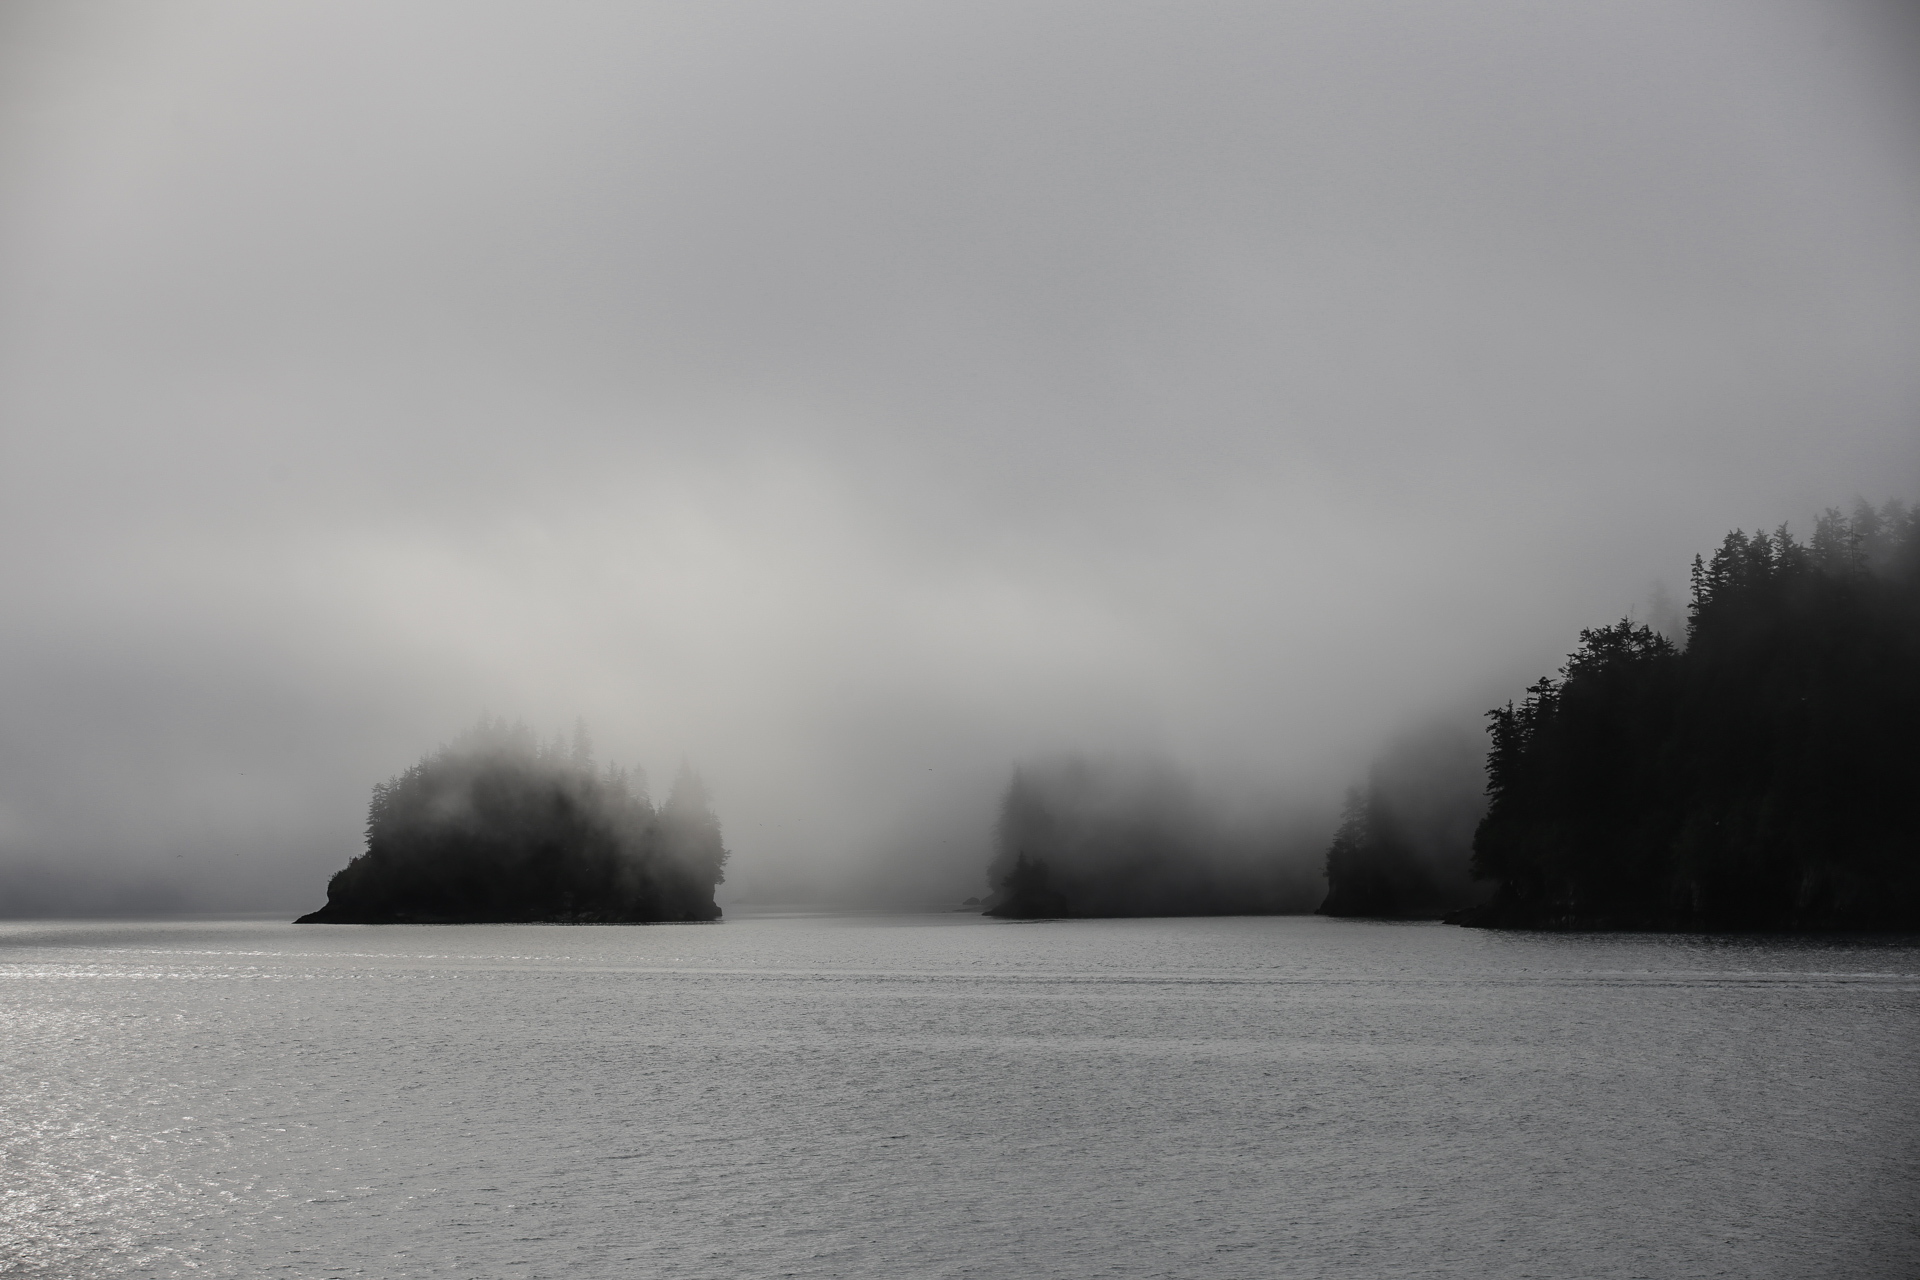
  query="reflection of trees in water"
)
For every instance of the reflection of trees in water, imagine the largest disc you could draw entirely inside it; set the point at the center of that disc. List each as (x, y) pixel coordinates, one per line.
(498, 826)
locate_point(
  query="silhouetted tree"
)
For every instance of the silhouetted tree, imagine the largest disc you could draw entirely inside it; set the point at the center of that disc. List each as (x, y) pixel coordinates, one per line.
(1763, 777)
(1027, 891)
(1370, 870)
(1405, 841)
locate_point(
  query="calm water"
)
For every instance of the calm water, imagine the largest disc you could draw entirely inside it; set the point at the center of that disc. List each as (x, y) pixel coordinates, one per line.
(935, 1096)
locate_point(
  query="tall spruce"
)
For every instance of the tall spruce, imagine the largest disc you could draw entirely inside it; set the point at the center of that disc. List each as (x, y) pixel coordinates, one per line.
(1764, 777)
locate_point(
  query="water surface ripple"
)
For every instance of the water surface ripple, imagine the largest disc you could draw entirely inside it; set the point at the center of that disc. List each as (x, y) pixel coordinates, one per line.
(799, 1095)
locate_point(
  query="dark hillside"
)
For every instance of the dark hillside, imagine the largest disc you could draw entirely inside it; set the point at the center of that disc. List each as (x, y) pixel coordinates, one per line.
(1765, 777)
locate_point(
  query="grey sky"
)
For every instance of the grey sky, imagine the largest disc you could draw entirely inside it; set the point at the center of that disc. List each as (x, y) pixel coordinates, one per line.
(855, 399)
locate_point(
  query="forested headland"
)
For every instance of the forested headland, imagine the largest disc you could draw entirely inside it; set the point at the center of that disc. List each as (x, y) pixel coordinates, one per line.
(499, 827)
(1079, 837)
(1763, 775)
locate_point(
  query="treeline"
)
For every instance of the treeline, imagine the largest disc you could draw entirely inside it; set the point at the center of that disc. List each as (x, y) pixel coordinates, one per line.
(1079, 837)
(498, 826)
(1764, 776)
(1404, 846)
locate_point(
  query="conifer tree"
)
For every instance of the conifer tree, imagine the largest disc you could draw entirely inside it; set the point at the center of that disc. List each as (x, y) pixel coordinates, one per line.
(1763, 777)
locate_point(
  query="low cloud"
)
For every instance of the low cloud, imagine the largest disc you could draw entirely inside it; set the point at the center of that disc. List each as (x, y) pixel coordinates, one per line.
(857, 401)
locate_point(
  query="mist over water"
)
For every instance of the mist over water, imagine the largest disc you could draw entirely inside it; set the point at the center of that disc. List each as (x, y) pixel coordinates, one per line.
(857, 402)
(1051, 443)
(1116, 837)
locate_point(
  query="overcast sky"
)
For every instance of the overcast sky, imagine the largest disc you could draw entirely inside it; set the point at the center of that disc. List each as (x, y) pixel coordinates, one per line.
(857, 399)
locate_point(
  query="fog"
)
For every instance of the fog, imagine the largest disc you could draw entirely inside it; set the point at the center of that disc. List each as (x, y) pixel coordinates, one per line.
(1117, 837)
(858, 401)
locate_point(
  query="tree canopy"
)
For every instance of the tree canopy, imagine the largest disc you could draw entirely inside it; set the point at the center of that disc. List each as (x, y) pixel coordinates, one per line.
(1765, 775)
(497, 826)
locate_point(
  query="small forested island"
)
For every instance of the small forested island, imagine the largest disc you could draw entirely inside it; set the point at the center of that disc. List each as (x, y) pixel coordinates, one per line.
(498, 827)
(1079, 837)
(1765, 775)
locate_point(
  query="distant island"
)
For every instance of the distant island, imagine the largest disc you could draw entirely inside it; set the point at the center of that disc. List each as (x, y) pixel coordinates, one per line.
(1760, 772)
(1764, 776)
(1404, 847)
(1080, 837)
(497, 827)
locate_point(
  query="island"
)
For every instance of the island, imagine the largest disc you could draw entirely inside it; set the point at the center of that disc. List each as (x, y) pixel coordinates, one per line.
(1105, 837)
(498, 827)
(1755, 769)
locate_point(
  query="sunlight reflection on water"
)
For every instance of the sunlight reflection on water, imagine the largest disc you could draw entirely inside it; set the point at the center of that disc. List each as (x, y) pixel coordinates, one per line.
(947, 1095)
